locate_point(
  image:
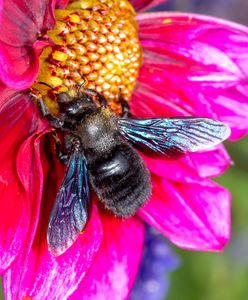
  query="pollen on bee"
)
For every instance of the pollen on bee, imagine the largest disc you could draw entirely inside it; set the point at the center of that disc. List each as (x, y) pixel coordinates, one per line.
(95, 41)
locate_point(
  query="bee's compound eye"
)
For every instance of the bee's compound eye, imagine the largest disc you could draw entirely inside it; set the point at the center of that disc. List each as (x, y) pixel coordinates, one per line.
(88, 99)
(63, 98)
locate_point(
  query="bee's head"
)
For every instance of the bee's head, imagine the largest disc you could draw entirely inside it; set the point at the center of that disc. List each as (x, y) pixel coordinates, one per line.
(75, 105)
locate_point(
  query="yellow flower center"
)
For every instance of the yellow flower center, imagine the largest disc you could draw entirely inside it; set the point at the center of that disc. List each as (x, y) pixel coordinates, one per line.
(95, 43)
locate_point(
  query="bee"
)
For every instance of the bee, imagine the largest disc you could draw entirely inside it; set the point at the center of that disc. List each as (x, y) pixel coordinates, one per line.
(99, 151)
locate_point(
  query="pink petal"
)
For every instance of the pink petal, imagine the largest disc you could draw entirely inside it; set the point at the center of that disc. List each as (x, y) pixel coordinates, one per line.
(59, 3)
(193, 216)
(141, 5)
(35, 272)
(191, 166)
(148, 104)
(16, 125)
(211, 163)
(197, 63)
(19, 67)
(20, 24)
(113, 271)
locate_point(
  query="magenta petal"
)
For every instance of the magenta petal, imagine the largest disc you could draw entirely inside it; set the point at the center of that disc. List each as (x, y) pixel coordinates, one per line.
(148, 104)
(57, 4)
(40, 275)
(113, 271)
(141, 5)
(192, 216)
(32, 195)
(211, 163)
(20, 23)
(18, 71)
(16, 116)
(191, 166)
(198, 63)
(60, 3)
(37, 274)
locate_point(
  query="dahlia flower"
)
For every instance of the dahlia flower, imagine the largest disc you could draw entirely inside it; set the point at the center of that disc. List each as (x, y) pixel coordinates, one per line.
(191, 65)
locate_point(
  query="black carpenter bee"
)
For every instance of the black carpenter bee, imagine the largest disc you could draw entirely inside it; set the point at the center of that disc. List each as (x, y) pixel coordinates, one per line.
(98, 148)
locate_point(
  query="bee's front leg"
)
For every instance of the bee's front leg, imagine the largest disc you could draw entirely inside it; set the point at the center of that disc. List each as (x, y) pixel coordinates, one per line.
(62, 154)
(54, 121)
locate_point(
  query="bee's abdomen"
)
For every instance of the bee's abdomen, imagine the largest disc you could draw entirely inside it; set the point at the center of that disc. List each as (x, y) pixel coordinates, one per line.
(121, 180)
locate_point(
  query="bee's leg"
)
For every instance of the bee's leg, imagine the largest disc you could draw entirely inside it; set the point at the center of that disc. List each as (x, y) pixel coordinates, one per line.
(64, 158)
(62, 154)
(102, 100)
(54, 121)
(81, 85)
(126, 111)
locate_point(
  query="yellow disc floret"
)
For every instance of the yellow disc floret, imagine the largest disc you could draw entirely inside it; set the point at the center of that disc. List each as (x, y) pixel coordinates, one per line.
(96, 44)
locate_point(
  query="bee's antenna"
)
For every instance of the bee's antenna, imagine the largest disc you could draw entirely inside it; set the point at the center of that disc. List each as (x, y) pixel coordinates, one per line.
(47, 84)
(34, 96)
(81, 85)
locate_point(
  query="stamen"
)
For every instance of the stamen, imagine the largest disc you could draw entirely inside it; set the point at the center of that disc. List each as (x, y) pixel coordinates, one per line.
(96, 41)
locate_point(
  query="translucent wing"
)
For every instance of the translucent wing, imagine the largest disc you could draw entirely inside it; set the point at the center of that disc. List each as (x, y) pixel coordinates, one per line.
(72, 206)
(171, 135)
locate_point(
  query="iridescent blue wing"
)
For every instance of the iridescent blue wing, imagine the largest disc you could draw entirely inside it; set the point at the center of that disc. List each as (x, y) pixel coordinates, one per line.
(71, 208)
(174, 135)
